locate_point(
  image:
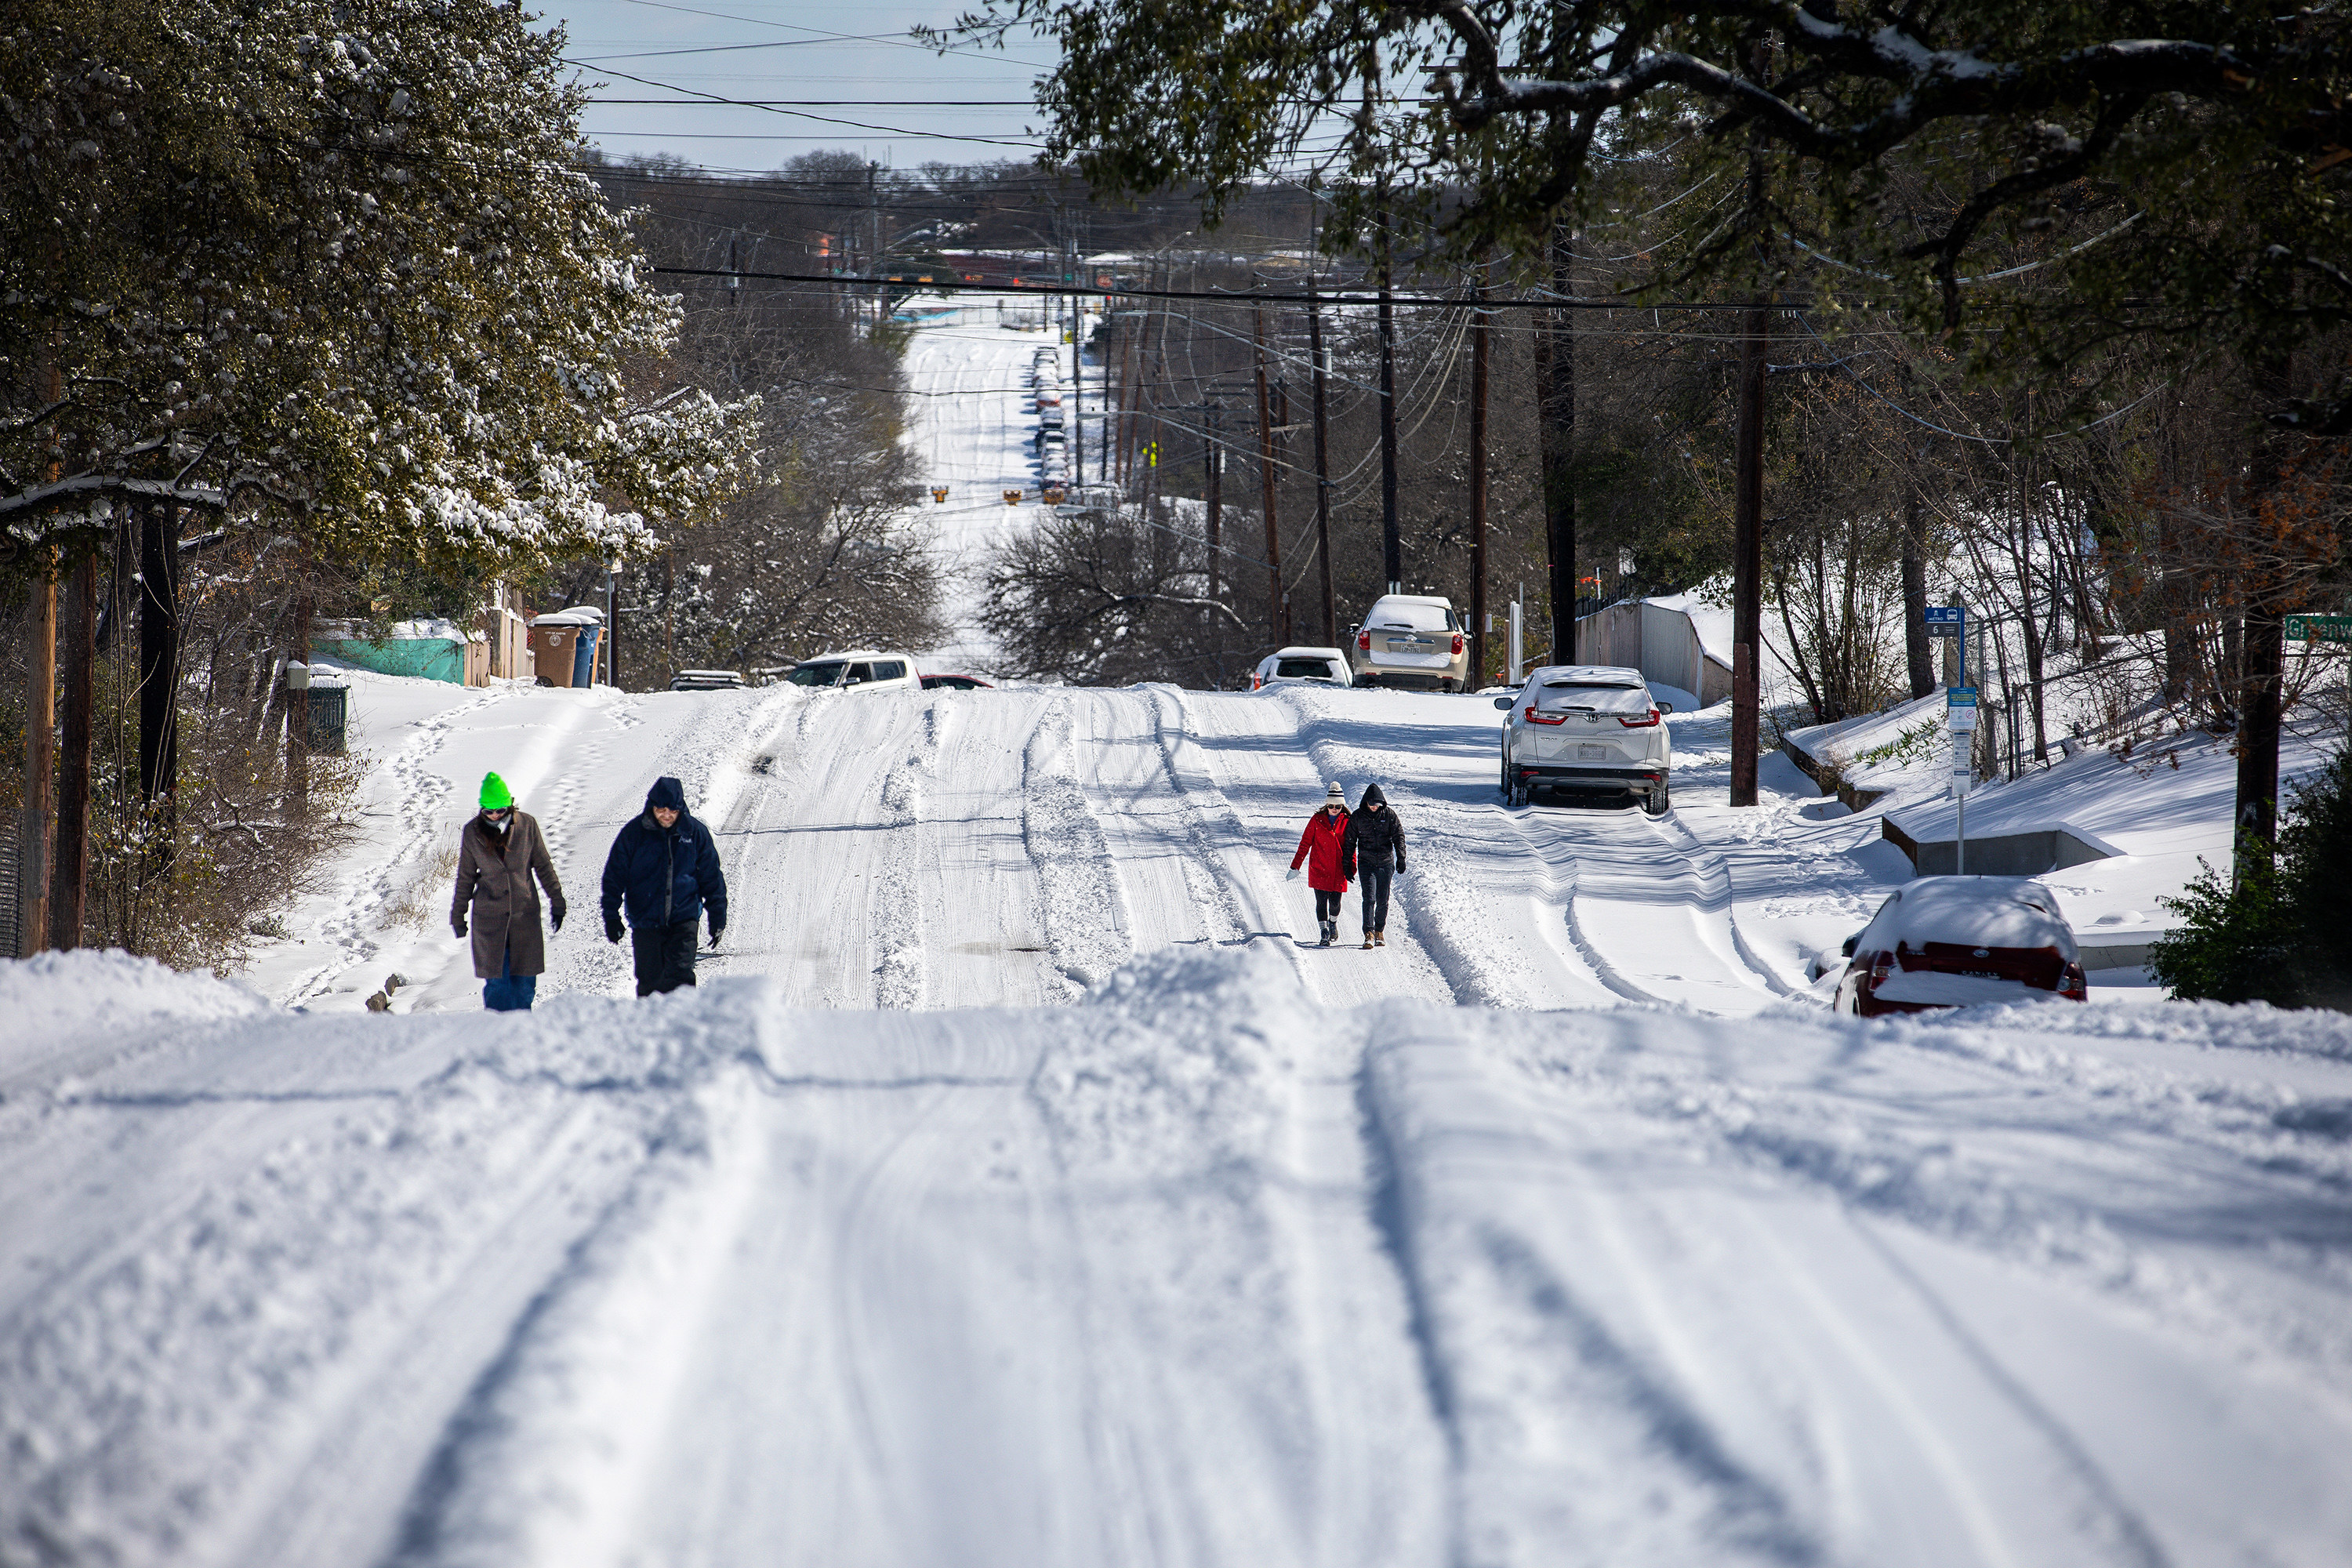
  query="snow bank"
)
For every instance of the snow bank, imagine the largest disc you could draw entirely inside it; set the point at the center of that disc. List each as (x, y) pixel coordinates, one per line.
(50, 1002)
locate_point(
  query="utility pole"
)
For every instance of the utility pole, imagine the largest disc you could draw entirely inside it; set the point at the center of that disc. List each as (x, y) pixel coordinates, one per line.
(69, 884)
(1322, 466)
(1277, 624)
(1480, 320)
(1560, 447)
(874, 230)
(1215, 456)
(1391, 538)
(1077, 363)
(1747, 518)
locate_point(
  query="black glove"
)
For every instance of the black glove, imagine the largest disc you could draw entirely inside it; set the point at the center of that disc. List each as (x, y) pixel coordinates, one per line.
(612, 927)
(716, 931)
(555, 916)
(457, 924)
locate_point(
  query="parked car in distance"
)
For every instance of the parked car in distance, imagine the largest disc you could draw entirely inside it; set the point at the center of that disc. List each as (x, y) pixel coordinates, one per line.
(1591, 729)
(705, 680)
(956, 683)
(860, 669)
(1412, 642)
(1960, 941)
(1321, 666)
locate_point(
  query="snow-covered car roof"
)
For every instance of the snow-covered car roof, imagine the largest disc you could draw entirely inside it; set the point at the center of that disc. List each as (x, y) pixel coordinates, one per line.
(1585, 675)
(1303, 653)
(1978, 911)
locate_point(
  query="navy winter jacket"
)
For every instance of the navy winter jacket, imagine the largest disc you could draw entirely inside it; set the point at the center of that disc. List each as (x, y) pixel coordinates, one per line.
(665, 875)
(1375, 839)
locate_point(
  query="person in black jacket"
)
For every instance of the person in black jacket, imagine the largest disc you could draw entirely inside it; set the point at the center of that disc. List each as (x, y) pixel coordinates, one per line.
(1373, 853)
(665, 869)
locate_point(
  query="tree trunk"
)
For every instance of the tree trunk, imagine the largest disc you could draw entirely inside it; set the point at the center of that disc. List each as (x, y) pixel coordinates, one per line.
(1915, 598)
(297, 713)
(70, 883)
(32, 824)
(1559, 394)
(2261, 707)
(159, 654)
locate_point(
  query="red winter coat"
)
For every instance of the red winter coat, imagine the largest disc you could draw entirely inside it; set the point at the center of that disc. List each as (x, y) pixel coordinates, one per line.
(1319, 847)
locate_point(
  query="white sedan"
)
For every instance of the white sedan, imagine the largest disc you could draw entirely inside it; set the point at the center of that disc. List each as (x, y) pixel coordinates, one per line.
(1319, 665)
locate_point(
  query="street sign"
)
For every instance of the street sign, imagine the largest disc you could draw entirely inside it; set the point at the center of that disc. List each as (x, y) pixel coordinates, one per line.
(1945, 620)
(1961, 709)
(2320, 628)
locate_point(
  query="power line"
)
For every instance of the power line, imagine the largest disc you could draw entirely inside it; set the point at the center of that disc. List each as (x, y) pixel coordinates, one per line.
(1226, 297)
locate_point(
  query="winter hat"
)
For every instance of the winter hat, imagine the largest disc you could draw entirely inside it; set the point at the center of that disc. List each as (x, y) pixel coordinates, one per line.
(667, 791)
(1335, 796)
(495, 796)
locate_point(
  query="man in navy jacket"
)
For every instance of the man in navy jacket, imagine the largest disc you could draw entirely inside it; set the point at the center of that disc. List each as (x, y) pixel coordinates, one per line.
(665, 869)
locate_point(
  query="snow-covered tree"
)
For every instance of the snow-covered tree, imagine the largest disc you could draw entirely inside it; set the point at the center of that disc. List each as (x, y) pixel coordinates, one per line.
(327, 258)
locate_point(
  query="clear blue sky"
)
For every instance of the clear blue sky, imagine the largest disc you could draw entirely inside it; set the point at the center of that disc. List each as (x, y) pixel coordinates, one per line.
(800, 52)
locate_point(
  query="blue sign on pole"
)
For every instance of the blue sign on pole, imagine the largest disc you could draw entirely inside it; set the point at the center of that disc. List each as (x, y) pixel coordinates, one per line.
(1952, 621)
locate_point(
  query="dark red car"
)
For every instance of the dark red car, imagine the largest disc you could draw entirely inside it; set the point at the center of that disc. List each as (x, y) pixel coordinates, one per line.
(955, 683)
(1961, 942)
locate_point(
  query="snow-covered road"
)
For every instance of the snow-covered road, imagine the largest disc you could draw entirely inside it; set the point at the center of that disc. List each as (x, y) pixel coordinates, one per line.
(1020, 1188)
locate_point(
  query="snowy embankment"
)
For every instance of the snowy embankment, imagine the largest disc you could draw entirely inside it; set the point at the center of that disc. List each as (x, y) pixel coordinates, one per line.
(1200, 1270)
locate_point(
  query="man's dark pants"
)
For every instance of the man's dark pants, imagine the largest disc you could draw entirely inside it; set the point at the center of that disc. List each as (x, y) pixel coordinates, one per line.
(665, 956)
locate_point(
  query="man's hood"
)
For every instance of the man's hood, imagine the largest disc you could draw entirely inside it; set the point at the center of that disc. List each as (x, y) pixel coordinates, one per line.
(669, 791)
(1372, 797)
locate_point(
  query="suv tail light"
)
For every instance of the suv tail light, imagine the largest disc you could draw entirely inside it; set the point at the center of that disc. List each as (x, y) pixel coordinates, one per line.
(1536, 716)
(1364, 641)
(1457, 644)
(1648, 723)
(2076, 985)
(1880, 963)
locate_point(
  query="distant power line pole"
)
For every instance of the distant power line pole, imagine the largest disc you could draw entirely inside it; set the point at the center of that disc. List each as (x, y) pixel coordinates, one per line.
(1480, 320)
(1277, 624)
(1322, 466)
(1391, 536)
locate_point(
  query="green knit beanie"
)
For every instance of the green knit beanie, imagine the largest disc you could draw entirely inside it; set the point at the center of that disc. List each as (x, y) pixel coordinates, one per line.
(495, 796)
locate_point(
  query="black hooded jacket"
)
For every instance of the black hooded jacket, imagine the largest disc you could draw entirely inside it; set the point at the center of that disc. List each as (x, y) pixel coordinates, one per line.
(665, 875)
(1375, 839)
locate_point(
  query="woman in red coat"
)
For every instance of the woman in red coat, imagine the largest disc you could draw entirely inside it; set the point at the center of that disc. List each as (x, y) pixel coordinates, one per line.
(1318, 847)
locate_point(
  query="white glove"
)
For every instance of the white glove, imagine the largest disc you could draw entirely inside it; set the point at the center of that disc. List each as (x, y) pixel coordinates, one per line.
(1293, 875)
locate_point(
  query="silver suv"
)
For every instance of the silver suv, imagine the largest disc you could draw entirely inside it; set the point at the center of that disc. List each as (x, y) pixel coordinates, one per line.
(1591, 729)
(1413, 641)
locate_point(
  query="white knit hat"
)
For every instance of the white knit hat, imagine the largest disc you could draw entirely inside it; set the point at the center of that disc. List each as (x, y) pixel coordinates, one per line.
(1335, 796)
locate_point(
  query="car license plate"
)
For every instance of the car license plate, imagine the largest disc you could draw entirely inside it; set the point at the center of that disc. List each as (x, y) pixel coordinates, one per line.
(1593, 752)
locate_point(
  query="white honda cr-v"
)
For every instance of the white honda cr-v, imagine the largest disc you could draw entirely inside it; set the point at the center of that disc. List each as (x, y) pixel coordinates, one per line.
(1590, 729)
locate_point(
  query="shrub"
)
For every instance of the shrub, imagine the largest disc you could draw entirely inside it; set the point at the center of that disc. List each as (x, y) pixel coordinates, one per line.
(2277, 935)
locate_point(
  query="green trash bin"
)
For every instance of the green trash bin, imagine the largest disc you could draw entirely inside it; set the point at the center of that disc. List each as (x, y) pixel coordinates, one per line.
(329, 713)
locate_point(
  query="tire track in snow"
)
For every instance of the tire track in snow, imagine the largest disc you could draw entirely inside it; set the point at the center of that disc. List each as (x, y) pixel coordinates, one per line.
(1081, 905)
(900, 932)
(1193, 784)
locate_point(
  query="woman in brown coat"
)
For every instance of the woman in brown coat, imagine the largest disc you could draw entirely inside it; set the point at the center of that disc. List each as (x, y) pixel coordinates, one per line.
(497, 854)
